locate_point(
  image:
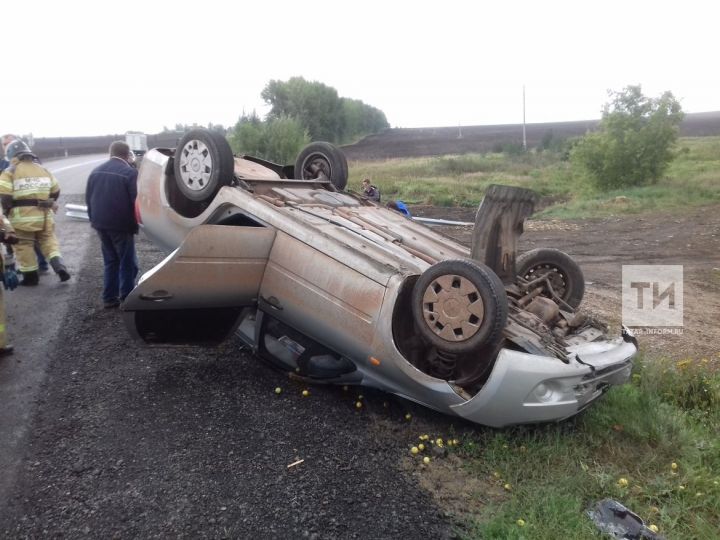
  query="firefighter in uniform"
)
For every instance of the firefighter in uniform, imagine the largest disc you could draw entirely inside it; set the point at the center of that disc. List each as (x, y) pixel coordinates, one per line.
(28, 193)
(9, 279)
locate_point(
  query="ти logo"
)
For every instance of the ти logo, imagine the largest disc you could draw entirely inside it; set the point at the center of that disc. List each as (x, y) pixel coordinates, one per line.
(652, 295)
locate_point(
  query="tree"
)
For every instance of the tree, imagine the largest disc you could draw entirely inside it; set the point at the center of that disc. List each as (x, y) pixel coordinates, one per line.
(246, 136)
(315, 105)
(278, 139)
(361, 119)
(217, 127)
(634, 143)
(325, 115)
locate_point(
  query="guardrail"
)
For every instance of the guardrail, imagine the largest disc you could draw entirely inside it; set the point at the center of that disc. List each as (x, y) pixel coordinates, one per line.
(50, 147)
(77, 211)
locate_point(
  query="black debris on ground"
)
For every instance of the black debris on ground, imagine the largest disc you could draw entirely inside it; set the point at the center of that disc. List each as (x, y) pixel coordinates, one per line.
(135, 442)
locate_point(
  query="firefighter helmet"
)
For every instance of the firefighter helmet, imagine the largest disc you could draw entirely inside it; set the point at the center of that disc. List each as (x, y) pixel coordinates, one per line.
(17, 148)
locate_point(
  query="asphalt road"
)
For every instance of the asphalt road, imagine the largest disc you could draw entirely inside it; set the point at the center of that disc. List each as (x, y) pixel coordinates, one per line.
(101, 437)
(35, 320)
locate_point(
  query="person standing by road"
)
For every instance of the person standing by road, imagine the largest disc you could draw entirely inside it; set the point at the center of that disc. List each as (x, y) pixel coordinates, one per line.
(7, 139)
(29, 193)
(4, 164)
(110, 197)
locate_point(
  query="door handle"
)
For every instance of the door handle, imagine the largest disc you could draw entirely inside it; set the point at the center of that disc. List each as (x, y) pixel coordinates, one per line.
(272, 302)
(156, 296)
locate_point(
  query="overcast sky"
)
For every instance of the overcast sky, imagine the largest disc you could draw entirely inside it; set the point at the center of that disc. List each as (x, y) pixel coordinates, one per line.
(76, 68)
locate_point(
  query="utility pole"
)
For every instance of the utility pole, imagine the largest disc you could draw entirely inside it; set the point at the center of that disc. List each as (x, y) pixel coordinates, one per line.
(524, 137)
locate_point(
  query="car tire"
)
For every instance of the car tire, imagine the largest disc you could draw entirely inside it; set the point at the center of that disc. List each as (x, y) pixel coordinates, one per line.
(460, 306)
(565, 274)
(320, 159)
(203, 164)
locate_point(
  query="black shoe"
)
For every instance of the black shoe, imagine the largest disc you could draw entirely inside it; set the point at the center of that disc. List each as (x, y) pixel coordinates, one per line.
(30, 278)
(7, 349)
(111, 304)
(60, 269)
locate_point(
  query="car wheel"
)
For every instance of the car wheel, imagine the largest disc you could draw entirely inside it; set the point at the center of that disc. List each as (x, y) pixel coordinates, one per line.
(563, 272)
(460, 306)
(322, 160)
(203, 164)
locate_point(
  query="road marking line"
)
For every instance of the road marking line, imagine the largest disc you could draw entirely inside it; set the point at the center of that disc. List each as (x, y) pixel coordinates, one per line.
(78, 165)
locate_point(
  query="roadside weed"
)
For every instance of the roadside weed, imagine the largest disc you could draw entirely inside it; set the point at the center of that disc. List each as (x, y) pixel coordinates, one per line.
(693, 179)
(651, 444)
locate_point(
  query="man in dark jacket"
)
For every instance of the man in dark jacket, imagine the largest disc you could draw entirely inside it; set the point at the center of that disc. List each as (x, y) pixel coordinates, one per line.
(110, 198)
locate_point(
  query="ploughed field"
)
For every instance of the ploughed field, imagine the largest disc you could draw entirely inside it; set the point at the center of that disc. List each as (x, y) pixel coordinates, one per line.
(440, 141)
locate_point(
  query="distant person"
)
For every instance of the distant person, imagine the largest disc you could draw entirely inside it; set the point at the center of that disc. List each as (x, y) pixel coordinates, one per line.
(4, 164)
(399, 206)
(369, 191)
(29, 193)
(110, 198)
(7, 139)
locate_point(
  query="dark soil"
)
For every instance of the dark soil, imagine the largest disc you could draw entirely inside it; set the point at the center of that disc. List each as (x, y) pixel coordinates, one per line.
(603, 245)
(135, 442)
(439, 141)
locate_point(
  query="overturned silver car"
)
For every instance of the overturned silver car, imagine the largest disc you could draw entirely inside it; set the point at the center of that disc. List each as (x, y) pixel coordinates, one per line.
(333, 288)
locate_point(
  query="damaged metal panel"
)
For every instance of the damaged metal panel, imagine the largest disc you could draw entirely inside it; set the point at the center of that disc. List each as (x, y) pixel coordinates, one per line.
(498, 225)
(335, 288)
(616, 520)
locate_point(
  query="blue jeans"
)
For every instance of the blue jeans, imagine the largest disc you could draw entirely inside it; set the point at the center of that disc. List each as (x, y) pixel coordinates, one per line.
(121, 266)
(42, 262)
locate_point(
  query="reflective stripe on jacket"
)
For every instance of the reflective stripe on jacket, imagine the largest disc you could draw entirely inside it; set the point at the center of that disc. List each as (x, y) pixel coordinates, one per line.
(28, 180)
(6, 257)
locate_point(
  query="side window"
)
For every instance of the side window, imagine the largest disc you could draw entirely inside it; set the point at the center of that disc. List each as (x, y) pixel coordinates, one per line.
(238, 220)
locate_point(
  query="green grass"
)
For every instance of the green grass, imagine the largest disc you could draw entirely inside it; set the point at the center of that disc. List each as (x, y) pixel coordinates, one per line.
(668, 414)
(693, 179)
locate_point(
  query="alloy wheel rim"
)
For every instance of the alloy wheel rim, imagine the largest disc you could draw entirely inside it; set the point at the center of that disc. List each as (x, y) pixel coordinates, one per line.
(196, 165)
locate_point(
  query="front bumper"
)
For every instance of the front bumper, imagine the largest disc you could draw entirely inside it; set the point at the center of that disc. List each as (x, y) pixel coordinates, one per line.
(526, 388)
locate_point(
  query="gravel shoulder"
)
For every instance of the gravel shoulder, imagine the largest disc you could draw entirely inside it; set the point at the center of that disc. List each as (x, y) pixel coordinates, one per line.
(135, 442)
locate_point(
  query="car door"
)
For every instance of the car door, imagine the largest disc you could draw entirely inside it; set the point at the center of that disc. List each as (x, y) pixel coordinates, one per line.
(320, 296)
(196, 295)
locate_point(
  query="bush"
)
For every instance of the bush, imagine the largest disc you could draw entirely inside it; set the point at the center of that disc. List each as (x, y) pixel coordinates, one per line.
(279, 140)
(633, 146)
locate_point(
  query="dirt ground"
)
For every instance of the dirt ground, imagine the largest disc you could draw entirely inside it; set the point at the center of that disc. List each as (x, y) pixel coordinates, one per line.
(602, 246)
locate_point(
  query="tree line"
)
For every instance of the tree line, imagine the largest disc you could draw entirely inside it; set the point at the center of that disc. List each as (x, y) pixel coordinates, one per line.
(302, 111)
